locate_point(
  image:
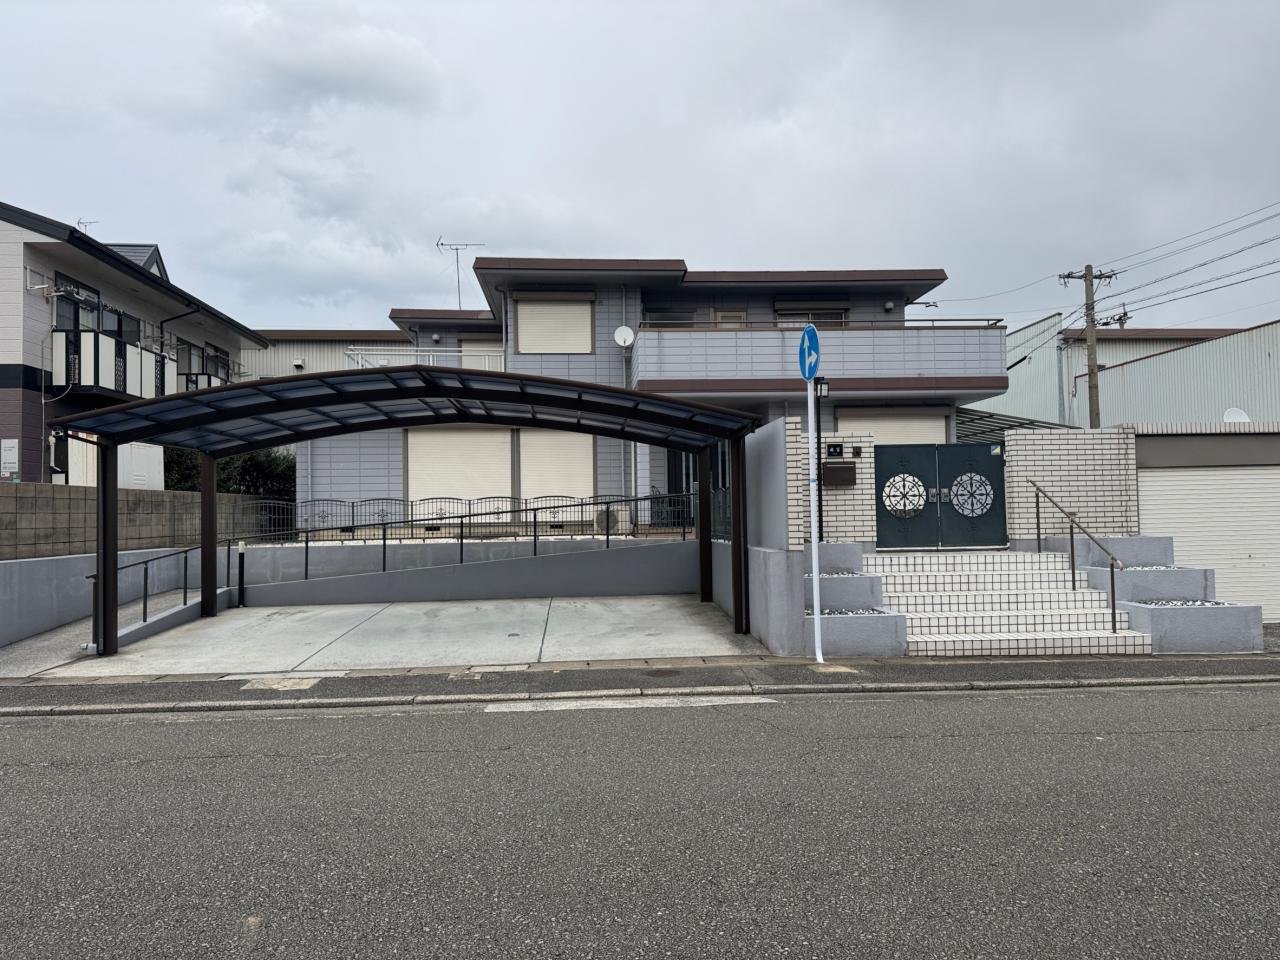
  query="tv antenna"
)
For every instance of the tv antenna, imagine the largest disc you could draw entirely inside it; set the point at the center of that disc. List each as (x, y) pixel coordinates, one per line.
(84, 225)
(442, 245)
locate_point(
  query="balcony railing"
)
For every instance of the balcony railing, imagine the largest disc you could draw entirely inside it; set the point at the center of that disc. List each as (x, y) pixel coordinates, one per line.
(429, 356)
(664, 358)
(87, 358)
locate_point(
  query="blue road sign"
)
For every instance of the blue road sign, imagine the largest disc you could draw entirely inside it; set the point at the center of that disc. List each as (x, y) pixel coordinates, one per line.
(810, 352)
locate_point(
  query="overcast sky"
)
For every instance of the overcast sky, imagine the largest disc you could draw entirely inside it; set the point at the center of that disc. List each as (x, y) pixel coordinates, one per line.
(297, 161)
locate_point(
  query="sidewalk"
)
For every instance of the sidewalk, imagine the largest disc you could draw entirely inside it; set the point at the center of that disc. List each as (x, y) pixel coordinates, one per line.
(687, 675)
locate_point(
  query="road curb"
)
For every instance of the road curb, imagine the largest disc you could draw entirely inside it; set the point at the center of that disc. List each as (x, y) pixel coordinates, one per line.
(723, 690)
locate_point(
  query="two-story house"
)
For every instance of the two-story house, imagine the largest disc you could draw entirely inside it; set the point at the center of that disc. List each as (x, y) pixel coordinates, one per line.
(728, 337)
(85, 324)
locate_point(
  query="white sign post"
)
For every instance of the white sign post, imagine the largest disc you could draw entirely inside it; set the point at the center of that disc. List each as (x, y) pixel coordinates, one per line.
(810, 356)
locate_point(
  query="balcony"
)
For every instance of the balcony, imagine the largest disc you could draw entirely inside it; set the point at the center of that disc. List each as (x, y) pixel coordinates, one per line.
(957, 361)
(92, 360)
(472, 359)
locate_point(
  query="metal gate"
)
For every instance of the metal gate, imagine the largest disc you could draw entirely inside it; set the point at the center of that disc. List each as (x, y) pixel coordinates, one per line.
(940, 495)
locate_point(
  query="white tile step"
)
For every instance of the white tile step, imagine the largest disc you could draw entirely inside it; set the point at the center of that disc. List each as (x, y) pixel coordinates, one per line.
(1045, 644)
(1009, 621)
(955, 582)
(961, 562)
(933, 601)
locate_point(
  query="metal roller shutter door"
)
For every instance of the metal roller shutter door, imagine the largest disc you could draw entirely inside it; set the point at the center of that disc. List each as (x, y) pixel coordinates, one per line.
(1223, 518)
(553, 327)
(890, 426)
(466, 463)
(556, 463)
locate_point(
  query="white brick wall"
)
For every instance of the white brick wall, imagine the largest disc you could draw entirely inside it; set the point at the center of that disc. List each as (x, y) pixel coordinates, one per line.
(849, 513)
(1091, 472)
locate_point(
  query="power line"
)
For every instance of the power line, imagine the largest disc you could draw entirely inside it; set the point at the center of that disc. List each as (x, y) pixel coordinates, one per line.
(1199, 243)
(1200, 283)
(1197, 266)
(1168, 243)
(988, 296)
(1198, 293)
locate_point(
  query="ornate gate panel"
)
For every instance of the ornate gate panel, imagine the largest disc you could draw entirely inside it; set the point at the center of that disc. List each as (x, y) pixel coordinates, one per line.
(971, 495)
(906, 495)
(940, 495)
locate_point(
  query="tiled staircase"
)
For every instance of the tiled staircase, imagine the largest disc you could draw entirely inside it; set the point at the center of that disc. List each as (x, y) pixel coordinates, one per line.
(998, 603)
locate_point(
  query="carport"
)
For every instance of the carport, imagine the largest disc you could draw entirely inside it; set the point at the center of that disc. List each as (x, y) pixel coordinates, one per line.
(239, 418)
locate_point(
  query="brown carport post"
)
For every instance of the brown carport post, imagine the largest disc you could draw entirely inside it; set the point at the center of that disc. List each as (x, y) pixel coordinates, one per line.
(208, 536)
(738, 534)
(704, 521)
(108, 583)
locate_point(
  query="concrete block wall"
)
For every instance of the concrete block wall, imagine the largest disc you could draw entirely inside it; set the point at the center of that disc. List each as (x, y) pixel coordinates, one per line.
(849, 513)
(1093, 473)
(50, 520)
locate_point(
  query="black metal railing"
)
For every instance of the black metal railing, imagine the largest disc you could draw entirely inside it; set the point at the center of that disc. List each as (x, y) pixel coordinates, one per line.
(1073, 525)
(656, 516)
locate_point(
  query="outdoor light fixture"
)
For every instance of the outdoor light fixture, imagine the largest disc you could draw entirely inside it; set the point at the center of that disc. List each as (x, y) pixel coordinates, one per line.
(821, 386)
(435, 338)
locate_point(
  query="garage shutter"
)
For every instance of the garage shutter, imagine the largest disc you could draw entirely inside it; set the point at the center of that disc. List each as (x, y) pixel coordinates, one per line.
(1223, 518)
(555, 463)
(902, 425)
(467, 463)
(544, 327)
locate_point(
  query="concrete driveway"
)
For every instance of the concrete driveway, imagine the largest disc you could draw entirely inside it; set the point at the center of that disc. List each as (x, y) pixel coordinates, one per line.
(342, 637)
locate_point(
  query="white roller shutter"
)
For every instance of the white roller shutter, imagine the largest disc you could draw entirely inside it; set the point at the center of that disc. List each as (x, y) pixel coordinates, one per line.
(1223, 518)
(556, 463)
(545, 327)
(466, 463)
(894, 425)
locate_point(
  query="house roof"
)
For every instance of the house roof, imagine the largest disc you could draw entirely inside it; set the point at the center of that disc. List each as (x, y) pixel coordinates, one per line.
(145, 255)
(497, 273)
(1153, 333)
(118, 261)
(336, 335)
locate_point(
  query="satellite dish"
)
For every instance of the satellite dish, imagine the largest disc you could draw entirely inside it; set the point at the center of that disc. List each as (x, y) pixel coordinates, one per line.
(1235, 415)
(624, 336)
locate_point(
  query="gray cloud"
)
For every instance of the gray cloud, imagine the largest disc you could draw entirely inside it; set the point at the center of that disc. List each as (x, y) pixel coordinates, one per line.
(297, 161)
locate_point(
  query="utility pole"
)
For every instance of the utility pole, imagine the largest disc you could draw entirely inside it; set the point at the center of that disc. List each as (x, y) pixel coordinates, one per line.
(1090, 276)
(442, 245)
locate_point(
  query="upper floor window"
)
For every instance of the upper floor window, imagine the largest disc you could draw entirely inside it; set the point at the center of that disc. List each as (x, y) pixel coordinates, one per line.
(121, 325)
(217, 362)
(546, 326)
(799, 318)
(77, 305)
(190, 357)
(729, 318)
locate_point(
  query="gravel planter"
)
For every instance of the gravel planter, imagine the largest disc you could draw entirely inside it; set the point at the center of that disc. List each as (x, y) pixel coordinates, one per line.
(852, 612)
(1185, 603)
(1148, 566)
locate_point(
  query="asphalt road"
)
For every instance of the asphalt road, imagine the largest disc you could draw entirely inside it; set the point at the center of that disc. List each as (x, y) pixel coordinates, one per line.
(1073, 824)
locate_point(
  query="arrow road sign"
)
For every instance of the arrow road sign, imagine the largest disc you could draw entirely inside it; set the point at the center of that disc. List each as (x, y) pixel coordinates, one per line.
(810, 352)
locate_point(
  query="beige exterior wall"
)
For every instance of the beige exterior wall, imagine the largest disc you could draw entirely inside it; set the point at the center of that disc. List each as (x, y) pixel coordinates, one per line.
(849, 513)
(1093, 473)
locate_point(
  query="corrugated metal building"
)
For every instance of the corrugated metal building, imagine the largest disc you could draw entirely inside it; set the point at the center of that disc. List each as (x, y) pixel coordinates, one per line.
(312, 351)
(1047, 378)
(1232, 377)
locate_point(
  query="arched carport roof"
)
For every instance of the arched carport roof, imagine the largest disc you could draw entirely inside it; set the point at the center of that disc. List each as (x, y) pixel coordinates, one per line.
(240, 417)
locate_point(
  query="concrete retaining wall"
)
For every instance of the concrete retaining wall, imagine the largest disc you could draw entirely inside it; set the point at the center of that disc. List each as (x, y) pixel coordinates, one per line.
(647, 569)
(46, 592)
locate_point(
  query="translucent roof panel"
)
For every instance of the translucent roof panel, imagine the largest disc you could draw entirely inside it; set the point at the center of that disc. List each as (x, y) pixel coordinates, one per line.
(261, 413)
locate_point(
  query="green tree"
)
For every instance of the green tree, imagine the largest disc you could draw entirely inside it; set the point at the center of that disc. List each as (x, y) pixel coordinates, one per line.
(263, 473)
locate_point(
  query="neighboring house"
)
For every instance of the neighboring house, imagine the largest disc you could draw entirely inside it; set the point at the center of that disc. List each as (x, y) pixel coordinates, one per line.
(1048, 379)
(85, 324)
(728, 337)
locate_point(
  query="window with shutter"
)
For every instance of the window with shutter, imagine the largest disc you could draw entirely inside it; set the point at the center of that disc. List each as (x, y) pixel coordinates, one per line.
(553, 327)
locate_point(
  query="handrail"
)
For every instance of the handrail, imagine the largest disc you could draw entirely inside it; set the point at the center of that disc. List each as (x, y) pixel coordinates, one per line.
(1073, 525)
(1071, 517)
(463, 520)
